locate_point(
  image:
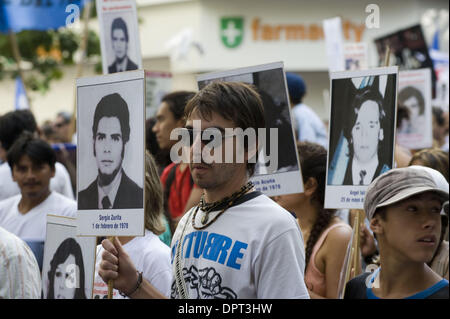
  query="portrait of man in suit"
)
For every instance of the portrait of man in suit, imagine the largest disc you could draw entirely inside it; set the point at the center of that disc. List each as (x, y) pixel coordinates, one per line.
(119, 39)
(111, 131)
(364, 135)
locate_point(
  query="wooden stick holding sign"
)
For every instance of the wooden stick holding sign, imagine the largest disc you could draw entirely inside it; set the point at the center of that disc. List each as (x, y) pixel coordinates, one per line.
(111, 282)
(387, 56)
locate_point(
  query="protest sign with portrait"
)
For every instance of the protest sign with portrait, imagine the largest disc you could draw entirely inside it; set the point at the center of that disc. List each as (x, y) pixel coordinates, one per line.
(69, 261)
(110, 154)
(362, 133)
(119, 35)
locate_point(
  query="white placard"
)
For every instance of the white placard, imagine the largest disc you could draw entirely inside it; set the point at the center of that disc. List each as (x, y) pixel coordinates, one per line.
(414, 92)
(69, 261)
(361, 135)
(270, 80)
(119, 35)
(111, 107)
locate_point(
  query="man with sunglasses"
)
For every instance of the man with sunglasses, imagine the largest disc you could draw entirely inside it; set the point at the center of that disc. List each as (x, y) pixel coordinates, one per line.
(237, 243)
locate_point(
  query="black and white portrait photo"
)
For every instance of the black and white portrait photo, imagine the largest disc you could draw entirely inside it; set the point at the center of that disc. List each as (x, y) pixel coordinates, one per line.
(119, 36)
(362, 130)
(68, 265)
(277, 170)
(110, 133)
(110, 153)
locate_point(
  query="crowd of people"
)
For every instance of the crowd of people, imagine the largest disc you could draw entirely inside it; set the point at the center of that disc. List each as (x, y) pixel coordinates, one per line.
(208, 232)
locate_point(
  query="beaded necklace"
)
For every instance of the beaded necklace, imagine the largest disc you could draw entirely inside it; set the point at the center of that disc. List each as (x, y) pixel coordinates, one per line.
(227, 201)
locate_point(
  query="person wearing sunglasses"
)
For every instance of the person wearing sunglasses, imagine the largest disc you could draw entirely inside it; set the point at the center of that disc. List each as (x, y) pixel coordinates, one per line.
(237, 242)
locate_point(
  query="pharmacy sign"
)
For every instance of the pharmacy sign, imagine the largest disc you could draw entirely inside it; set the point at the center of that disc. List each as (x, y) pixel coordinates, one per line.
(232, 31)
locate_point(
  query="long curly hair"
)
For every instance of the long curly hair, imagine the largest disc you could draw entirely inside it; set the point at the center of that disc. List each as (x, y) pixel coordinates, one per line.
(313, 161)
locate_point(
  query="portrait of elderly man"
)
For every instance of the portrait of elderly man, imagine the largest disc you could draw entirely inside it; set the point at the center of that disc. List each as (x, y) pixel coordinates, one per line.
(365, 134)
(112, 188)
(119, 40)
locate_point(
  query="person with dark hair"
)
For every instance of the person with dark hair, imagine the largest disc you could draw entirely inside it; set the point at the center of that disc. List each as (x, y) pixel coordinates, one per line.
(112, 188)
(364, 134)
(437, 159)
(404, 207)
(33, 165)
(237, 243)
(411, 98)
(148, 253)
(309, 127)
(119, 38)
(180, 192)
(62, 271)
(326, 236)
(12, 125)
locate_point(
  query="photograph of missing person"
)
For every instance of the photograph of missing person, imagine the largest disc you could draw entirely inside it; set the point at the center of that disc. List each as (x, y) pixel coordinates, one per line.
(414, 129)
(111, 132)
(119, 37)
(119, 43)
(68, 265)
(362, 130)
(110, 155)
(278, 156)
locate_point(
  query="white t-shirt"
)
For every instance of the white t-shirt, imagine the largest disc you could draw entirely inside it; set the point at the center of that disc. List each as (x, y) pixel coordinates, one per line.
(60, 183)
(20, 277)
(149, 255)
(253, 250)
(32, 225)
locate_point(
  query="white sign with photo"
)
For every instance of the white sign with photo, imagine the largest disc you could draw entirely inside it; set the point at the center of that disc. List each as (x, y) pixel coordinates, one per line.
(361, 134)
(69, 261)
(119, 35)
(414, 93)
(110, 154)
(277, 171)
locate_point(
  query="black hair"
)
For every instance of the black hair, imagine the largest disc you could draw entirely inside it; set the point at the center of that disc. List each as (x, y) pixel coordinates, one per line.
(113, 105)
(119, 23)
(177, 102)
(36, 149)
(68, 247)
(313, 161)
(13, 124)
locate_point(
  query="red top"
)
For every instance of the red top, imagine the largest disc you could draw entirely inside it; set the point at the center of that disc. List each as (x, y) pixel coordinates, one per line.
(179, 191)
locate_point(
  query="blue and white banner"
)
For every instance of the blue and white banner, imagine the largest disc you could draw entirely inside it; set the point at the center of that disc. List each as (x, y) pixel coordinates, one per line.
(18, 15)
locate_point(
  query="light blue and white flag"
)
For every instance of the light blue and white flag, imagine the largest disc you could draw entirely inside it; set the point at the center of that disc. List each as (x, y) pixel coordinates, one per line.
(21, 97)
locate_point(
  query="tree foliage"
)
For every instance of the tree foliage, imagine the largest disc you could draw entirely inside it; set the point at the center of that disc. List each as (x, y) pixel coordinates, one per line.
(47, 51)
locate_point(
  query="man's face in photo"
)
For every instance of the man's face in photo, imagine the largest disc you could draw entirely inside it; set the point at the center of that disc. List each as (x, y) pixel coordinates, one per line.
(119, 43)
(33, 178)
(108, 146)
(366, 132)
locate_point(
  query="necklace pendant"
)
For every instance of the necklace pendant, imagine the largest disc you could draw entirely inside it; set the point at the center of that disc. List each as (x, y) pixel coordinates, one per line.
(205, 219)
